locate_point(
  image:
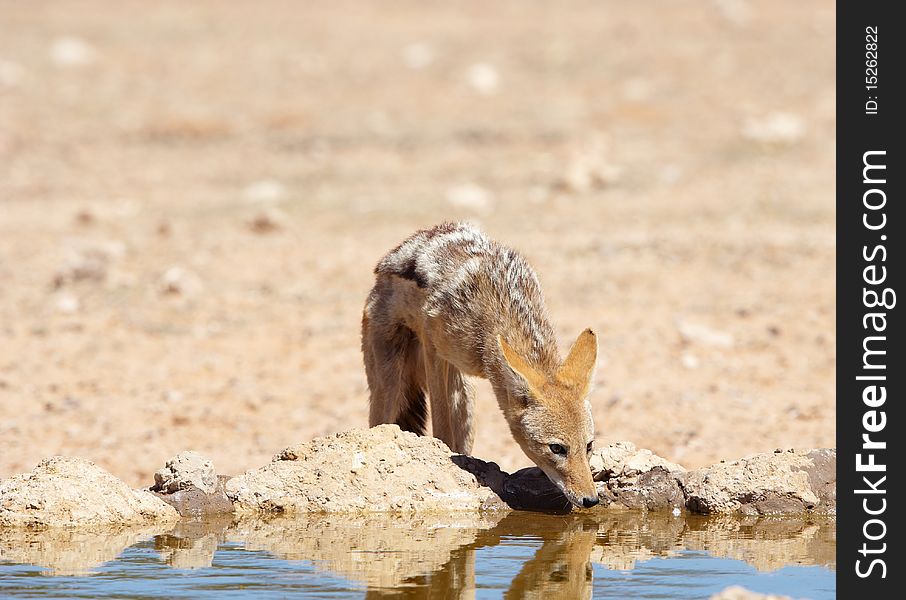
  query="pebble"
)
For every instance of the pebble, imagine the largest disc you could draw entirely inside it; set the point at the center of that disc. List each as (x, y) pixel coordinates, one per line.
(483, 78)
(71, 51)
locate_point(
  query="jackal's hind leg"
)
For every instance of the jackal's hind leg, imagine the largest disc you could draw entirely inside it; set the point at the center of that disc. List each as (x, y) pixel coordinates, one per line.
(451, 404)
(395, 373)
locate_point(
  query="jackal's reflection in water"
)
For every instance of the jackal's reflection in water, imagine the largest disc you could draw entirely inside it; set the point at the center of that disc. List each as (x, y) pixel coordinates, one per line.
(560, 567)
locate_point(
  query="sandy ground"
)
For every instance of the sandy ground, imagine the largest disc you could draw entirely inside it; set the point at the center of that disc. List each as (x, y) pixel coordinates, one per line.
(192, 198)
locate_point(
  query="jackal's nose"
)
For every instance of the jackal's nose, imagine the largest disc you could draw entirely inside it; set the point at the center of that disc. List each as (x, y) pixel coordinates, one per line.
(590, 501)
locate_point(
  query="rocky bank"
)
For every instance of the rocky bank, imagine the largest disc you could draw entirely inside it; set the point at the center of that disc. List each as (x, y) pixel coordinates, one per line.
(384, 469)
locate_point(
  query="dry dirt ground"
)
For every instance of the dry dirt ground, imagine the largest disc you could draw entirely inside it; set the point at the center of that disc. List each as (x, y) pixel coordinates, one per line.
(193, 195)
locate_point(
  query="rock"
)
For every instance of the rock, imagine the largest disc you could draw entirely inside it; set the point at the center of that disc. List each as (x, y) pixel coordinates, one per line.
(822, 476)
(264, 191)
(636, 478)
(765, 484)
(68, 304)
(689, 360)
(189, 484)
(483, 78)
(267, 221)
(624, 459)
(735, 592)
(71, 51)
(184, 471)
(655, 489)
(776, 129)
(373, 470)
(697, 333)
(196, 503)
(65, 492)
(193, 502)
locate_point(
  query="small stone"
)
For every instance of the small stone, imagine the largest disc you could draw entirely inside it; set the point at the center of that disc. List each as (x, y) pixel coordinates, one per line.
(697, 333)
(779, 128)
(71, 51)
(267, 221)
(483, 78)
(264, 191)
(690, 361)
(68, 305)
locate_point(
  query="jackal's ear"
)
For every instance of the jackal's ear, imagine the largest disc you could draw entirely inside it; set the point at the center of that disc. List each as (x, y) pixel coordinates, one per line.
(531, 379)
(579, 367)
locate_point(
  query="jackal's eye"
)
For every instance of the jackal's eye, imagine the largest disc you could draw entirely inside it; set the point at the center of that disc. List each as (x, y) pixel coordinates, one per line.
(557, 449)
(589, 447)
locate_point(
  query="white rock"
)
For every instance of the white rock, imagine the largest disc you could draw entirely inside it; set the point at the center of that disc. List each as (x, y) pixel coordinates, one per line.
(264, 191)
(67, 304)
(690, 361)
(779, 128)
(483, 78)
(702, 334)
(66, 492)
(72, 52)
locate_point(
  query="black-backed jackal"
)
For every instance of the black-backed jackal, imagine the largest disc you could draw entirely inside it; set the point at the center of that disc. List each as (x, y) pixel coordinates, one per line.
(449, 302)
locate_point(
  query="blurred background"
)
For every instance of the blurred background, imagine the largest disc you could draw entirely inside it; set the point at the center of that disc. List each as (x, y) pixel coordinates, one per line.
(193, 197)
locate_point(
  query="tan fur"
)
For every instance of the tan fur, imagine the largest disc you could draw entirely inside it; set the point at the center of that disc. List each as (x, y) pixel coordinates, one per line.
(449, 302)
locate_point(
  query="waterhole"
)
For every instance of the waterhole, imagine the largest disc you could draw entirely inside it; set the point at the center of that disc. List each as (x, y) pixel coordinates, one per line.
(600, 554)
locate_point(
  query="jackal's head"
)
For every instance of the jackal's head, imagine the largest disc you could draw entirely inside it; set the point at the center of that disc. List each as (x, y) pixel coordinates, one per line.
(550, 416)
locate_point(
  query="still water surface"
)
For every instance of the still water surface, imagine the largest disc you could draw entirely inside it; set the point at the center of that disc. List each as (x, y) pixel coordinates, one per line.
(599, 554)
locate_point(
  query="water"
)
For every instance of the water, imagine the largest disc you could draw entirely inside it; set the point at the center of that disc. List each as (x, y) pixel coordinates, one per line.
(601, 554)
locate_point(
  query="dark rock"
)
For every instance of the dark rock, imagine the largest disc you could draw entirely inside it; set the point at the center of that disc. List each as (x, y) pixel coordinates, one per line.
(193, 502)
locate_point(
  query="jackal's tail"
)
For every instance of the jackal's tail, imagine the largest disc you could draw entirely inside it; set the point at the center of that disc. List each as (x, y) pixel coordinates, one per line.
(395, 371)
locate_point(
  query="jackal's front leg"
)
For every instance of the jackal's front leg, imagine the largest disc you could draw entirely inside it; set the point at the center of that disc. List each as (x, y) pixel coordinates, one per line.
(451, 404)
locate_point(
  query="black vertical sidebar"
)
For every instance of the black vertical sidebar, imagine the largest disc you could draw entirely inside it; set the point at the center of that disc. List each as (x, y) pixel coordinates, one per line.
(871, 62)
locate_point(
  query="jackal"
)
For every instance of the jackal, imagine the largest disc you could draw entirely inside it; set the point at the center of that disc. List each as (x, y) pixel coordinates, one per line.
(449, 302)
